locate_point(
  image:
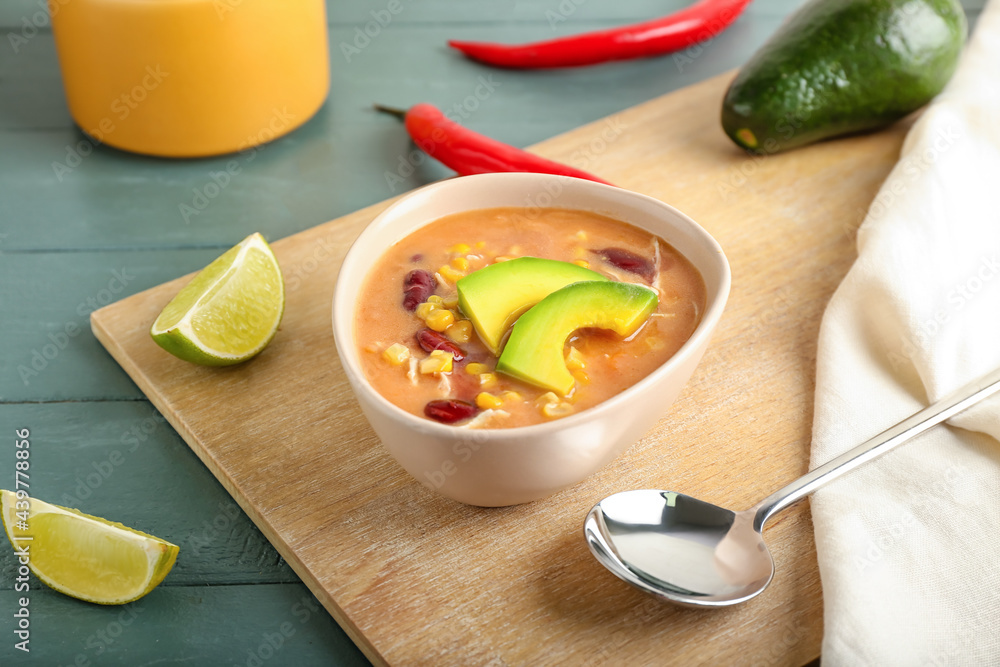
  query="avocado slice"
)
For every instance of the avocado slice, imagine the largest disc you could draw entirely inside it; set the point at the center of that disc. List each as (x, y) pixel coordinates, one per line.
(496, 295)
(534, 351)
(843, 66)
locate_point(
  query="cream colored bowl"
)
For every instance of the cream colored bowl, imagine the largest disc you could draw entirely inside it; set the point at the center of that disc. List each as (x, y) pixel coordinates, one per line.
(494, 467)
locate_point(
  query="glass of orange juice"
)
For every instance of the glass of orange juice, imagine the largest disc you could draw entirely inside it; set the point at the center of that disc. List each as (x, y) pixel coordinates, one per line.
(191, 78)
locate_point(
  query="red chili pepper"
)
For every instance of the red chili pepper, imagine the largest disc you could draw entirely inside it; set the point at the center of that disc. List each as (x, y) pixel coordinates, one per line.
(468, 152)
(697, 23)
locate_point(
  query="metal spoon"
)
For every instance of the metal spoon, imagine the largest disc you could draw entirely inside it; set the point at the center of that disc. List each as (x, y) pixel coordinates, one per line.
(696, 554)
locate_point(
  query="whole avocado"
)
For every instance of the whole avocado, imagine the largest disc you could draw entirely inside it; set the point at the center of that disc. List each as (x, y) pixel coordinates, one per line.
(843, 66)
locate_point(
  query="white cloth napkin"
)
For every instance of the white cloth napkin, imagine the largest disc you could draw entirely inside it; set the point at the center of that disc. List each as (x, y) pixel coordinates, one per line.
(909, 546)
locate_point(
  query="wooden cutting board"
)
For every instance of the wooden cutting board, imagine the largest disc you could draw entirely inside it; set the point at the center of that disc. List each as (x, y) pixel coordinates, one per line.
(416, 579)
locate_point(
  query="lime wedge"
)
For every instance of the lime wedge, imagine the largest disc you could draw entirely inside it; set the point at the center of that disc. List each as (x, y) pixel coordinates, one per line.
(229, 312)
(84, 556)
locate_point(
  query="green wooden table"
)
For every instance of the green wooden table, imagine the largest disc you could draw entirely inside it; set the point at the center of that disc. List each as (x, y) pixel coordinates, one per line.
(113, 224)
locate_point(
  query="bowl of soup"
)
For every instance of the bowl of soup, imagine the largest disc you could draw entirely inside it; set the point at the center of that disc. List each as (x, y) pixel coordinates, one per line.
(507, 335)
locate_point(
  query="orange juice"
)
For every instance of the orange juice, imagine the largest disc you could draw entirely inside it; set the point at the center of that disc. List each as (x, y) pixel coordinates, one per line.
(189, 78)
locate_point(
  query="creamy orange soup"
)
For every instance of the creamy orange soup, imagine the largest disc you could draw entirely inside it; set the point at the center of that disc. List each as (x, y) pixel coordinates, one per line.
(400, 319)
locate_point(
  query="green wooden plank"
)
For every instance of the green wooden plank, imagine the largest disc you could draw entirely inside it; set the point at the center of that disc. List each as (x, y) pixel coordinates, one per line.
(53, 195)
(48, 351)
(123, 462)
(22, 16)
(276, 624)
(59, 191)
(443, 12)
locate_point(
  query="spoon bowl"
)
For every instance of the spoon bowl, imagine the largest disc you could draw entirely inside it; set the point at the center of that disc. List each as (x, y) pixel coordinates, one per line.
(680, 548)
(697, 554)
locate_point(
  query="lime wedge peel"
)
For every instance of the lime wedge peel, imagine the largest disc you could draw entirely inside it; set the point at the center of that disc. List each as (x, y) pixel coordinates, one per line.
(229, 312)
(84, 556)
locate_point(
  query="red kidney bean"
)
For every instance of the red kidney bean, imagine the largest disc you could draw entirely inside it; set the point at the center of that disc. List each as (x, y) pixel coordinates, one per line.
(626, 260)
(417, 286)
(431, 340)
(449, 411)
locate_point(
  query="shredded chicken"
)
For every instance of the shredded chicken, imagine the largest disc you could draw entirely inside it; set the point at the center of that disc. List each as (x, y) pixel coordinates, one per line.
(483, 418)
(412, 373)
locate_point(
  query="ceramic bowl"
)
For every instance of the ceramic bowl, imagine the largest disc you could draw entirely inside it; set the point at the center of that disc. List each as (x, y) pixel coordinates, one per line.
(495, 467)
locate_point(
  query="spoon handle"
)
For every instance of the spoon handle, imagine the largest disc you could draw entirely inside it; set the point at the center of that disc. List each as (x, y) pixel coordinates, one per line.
(869, 450)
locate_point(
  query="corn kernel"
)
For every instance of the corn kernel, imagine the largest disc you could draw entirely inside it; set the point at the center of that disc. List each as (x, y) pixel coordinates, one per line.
(487, 379)
(579, 253)
(450, 274)
(581, 376)
(440, 319)
(439, 361)
(396, 354)
(546, 398)
(460, 331)
(581, 235)
(556, 410)
(460, 264)
(476, 368)
(582, 263)
(480, 245)
(488, 401)
(460, 248)
(425, 309)
(575, 360)
(434, 298)
(510, 396)
(450, 301)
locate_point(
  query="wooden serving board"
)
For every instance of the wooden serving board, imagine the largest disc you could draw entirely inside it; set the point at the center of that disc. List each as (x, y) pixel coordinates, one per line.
(416, 579)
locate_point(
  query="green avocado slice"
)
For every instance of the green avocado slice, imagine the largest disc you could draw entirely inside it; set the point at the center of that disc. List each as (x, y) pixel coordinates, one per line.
(496, 295)
(534, 351)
